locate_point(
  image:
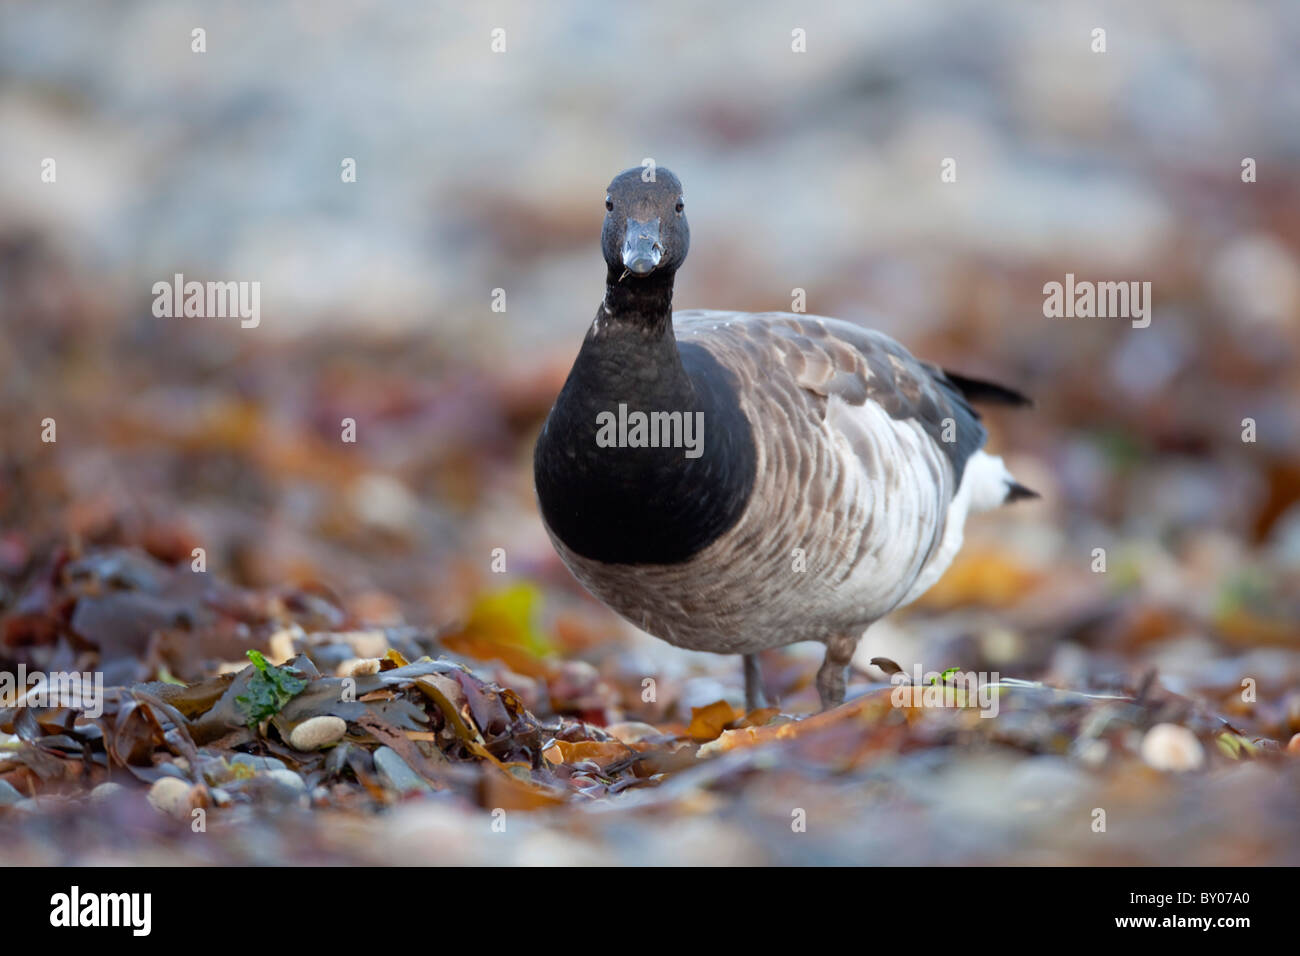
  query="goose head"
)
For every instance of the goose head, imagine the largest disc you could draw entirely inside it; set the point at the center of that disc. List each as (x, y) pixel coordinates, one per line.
(645, 232)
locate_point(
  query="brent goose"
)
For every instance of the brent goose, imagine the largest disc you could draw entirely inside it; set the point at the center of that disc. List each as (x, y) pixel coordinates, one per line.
(731, 482)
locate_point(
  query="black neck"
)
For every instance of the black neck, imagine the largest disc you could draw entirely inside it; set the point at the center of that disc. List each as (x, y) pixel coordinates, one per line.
(643, 505)
(641, 301)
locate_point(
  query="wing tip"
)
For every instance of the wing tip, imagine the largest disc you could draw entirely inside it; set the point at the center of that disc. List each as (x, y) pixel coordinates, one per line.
(979, 390)
(1018, 492)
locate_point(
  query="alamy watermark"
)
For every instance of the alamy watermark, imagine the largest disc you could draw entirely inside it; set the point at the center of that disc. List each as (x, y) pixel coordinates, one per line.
(952, 688)
(651, 430)
(208, 300)
(1102, 300)
(75, 908)
(78, 690)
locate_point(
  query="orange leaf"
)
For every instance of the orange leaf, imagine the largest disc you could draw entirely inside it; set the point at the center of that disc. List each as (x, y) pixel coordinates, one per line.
(708, 722)
(602, 752)
(514, 790)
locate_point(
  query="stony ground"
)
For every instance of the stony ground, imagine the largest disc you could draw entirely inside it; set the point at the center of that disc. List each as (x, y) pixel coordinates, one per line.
(434, 709)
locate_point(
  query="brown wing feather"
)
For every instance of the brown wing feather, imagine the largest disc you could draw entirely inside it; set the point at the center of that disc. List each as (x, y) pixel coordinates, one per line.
(832, 357)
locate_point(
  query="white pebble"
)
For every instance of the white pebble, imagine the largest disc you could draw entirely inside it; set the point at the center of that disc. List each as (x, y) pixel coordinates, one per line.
(171, 795)
(287, 779)
(317, 732)
(1171, 747)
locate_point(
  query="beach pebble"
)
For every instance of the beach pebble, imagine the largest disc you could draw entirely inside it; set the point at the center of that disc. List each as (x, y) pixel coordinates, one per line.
(397, 773)
(287, 779)
(1171, 747)
(317, 732)
(172, 796)
(9, 794)
(106, 792)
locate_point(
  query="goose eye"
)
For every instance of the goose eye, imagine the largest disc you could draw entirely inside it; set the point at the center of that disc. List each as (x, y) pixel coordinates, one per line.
(680, 205)
(609, 204)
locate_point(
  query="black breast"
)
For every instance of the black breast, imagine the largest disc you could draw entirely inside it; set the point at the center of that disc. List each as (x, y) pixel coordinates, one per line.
(643, 505)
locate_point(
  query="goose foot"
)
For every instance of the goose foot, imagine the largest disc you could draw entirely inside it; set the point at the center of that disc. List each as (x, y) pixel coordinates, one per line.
(830, 676)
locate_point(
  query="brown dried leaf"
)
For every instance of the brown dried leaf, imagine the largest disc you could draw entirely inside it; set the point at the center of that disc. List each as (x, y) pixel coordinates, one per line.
(708, 722)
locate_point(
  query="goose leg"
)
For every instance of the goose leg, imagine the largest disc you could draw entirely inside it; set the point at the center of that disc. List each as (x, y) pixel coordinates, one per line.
(754, 695)
(830, 676)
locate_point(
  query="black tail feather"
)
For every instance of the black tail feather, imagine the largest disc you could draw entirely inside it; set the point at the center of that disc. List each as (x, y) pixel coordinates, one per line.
(978, 390)
(1018, 492)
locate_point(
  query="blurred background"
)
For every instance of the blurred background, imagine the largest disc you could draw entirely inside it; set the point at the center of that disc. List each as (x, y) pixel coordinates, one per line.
(820, 170)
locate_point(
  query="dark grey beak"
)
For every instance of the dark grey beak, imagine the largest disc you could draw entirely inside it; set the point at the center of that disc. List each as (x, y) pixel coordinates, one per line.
(641, 247)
